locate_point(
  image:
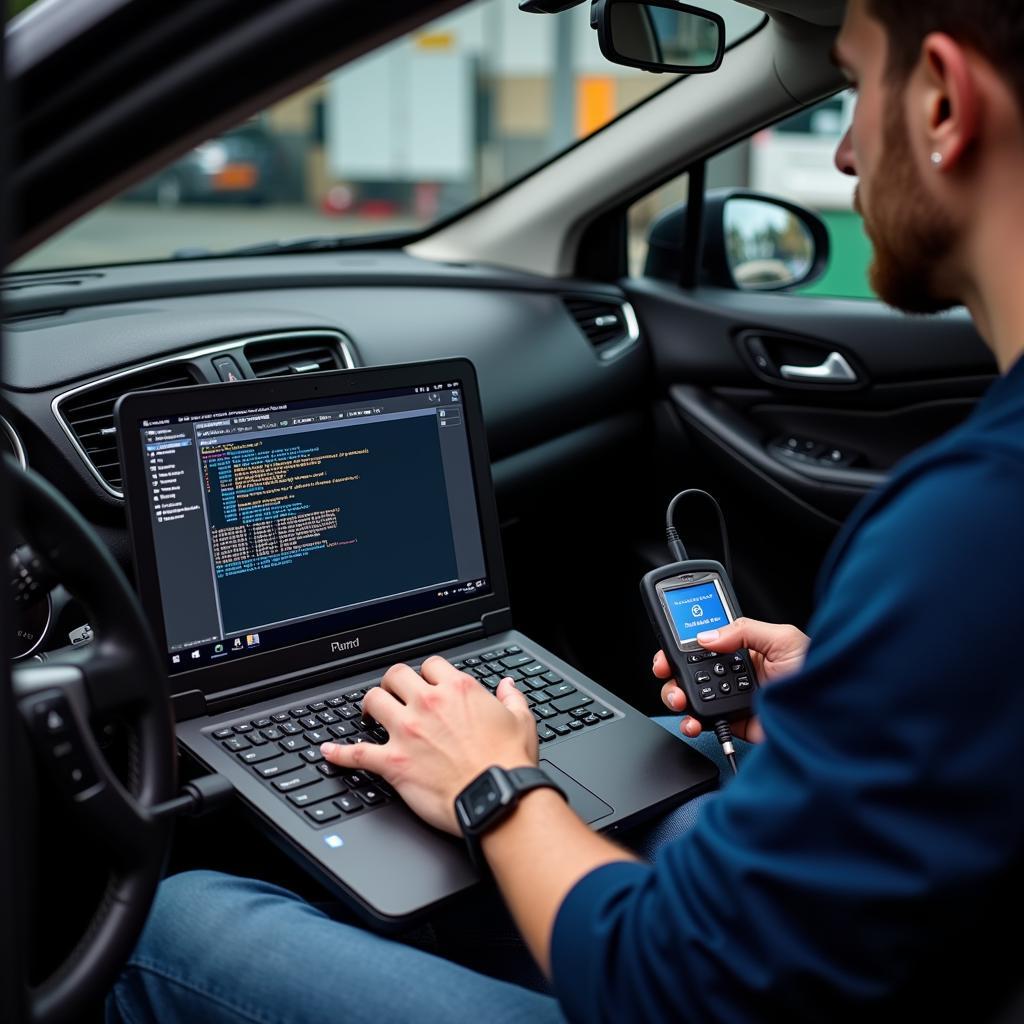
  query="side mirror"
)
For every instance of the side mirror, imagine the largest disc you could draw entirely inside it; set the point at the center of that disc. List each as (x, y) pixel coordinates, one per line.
(659, 35)
(752, 242)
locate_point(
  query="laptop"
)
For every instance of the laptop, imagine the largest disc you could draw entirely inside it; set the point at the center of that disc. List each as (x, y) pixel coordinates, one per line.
(295, 537)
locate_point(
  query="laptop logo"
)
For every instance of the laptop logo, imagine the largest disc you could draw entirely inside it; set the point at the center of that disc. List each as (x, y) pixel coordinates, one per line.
(349, 645)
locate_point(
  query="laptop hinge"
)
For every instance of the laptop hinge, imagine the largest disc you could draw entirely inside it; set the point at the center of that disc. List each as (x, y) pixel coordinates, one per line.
(190, 704)
(496, 622)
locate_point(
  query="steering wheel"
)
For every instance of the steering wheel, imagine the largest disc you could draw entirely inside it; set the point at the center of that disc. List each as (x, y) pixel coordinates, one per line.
(118, 675)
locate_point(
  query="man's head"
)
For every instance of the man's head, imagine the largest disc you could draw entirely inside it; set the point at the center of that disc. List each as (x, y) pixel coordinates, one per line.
(941, 98)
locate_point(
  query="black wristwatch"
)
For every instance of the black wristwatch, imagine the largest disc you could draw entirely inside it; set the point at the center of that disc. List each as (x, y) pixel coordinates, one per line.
(490, 798)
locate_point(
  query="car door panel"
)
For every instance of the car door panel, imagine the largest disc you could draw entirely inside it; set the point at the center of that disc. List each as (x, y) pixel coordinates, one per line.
(790, 459)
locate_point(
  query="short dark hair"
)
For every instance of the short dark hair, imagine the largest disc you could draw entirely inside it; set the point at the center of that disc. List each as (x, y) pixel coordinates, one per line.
(995, 28)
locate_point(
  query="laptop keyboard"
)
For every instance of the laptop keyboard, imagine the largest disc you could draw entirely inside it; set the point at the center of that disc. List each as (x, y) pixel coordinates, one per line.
(282, 746)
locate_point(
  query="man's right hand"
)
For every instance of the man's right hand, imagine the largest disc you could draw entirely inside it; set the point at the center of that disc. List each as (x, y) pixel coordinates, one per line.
(775, 651)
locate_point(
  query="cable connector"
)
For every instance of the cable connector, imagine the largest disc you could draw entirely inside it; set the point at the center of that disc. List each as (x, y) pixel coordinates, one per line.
(725, 738)
(200, 796)
(675, 545)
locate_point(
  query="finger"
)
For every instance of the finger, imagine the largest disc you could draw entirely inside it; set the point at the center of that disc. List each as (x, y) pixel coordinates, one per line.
(356, 755)
(662, 669)
(437, 670)
(672, 697)
(403, 682)
(690, 727)
(515, 701)
(744, 632)
(382, 706)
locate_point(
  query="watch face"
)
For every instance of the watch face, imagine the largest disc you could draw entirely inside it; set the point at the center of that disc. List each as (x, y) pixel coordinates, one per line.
(480, 800)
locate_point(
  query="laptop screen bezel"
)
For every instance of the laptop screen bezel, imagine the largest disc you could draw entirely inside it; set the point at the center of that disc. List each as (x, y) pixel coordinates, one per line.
(256, 672)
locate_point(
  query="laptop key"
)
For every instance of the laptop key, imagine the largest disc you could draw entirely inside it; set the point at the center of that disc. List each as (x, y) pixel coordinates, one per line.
(535, 669)
(255, 739)
(574, 700)
(309, 722)
(294, 743)
(539, 696)
(371, 795)
(295, 780)
(318, 736)
(603, 712)
(342, 730)
(299, 712)
(349, 803)
(322, 790)
(514, 649)
(272, 769)
(244, 727)
(355, 696)
(322, 814)
(575, 724)
(590, 719)
(348, 711)
(472, 661)
(562, 728)
(545, 711)
(491, 682)
(318, 705)
(259, 754)
(516, 661)
(311, 755)
(336, 702)
(273, 733)
(561, 689)
(222, 734)
(237, 744)
(261, 723)
(280, 716)
(551, 677)
(544, 733)
(328, 717)
(291, 728)
(331, 771)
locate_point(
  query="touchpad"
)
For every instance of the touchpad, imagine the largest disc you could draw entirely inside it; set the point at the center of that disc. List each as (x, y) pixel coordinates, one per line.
(589, 807)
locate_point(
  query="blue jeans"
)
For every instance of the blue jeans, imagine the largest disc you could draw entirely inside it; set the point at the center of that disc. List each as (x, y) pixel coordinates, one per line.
(219, 949)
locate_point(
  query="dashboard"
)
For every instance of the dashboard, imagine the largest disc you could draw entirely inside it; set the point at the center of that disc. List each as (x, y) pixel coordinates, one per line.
(561, 364)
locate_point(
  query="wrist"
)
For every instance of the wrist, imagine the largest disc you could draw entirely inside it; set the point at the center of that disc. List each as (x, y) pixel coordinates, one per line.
(544, 801)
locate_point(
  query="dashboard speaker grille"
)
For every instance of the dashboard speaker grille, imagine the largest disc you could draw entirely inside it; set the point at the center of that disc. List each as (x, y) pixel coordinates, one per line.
(283, 357)
(90, 414)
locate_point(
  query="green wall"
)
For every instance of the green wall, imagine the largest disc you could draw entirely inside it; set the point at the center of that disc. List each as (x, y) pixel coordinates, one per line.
(847, 274)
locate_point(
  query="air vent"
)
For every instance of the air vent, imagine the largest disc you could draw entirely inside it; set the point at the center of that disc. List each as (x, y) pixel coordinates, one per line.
(284, 357)
(608, 325)
(89, 415)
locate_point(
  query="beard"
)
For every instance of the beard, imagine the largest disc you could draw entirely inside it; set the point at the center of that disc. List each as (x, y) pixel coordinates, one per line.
(911, 234)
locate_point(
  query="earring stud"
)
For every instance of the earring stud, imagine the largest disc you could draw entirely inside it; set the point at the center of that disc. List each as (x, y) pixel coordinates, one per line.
(937, 158)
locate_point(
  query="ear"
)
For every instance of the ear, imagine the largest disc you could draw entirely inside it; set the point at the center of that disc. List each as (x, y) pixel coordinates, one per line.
(950, 101)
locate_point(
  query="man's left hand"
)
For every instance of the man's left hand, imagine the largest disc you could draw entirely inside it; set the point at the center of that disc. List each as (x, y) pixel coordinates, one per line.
(444, 729)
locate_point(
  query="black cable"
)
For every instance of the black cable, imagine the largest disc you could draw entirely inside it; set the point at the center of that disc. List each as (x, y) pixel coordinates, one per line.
(724, 734)
(675, 544)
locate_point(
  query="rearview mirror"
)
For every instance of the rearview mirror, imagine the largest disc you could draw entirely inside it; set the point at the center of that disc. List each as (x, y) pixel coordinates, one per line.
(659, 35)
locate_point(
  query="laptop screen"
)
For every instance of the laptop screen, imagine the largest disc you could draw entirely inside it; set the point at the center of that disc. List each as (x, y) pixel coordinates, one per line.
(293, 520)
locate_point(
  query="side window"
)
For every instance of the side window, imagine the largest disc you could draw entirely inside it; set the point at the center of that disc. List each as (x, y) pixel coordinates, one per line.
(793, 160)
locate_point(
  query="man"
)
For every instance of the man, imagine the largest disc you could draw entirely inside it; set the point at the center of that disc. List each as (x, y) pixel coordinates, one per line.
(859, 861)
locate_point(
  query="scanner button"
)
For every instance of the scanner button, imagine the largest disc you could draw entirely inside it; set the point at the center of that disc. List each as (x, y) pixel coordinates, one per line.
(707, 693)
(725, 687)
(743, 682)
(719, 669)
(702, 677)
(738, 666)
(693, 659)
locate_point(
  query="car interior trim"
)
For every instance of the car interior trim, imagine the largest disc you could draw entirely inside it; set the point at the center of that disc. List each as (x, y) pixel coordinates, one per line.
(12, 436)
(234, 347)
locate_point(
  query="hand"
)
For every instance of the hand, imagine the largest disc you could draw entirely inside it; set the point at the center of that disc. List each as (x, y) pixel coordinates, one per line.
(775, 651)
(444, 729)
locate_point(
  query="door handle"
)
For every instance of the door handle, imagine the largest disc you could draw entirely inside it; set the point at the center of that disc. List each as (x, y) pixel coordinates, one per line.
(835, 370)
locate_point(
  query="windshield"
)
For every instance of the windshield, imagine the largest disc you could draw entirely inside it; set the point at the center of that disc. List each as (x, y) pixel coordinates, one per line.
(406, 136)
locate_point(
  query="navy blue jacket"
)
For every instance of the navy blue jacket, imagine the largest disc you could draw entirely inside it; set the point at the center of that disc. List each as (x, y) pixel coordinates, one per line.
(870, 849)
